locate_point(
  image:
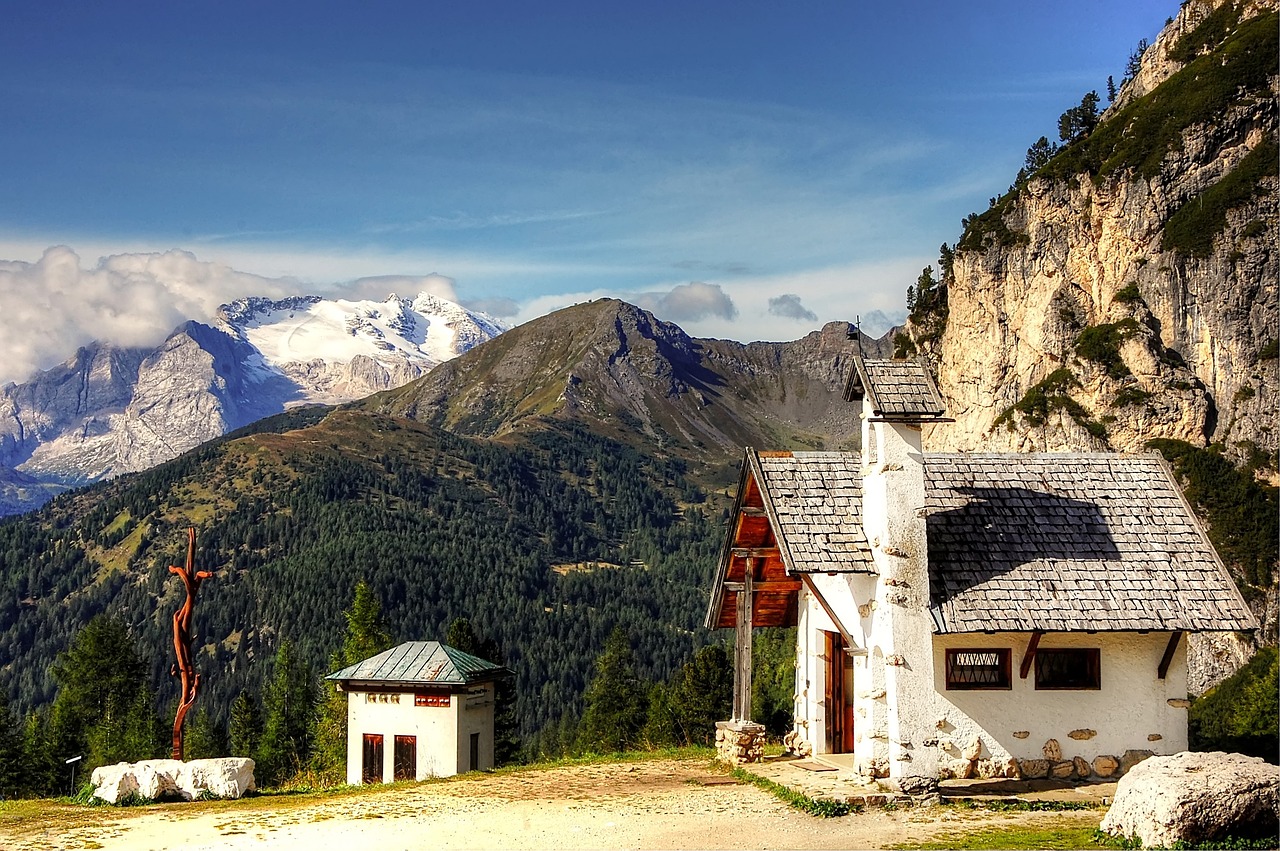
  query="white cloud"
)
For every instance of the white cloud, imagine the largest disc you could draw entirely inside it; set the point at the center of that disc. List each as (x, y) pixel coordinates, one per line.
(52, 306)
(790, 307)
(688, 303)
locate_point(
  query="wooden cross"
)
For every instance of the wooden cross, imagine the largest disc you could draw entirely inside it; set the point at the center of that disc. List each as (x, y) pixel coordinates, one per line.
(191, 578)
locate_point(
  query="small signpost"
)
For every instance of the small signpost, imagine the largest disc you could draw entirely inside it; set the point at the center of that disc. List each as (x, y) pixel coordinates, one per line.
(72, 762)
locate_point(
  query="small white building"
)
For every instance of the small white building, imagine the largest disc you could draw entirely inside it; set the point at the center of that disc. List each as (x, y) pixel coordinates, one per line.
(421, 709)
(969, 614)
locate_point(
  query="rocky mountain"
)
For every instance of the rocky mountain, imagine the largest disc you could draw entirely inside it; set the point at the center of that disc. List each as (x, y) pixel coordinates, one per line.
(561, 478)
(111, 410)
(1124, 290)
(630, 376)
(1127, 289)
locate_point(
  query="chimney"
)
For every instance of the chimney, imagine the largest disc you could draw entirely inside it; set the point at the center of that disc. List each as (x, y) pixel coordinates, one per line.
(898, 397)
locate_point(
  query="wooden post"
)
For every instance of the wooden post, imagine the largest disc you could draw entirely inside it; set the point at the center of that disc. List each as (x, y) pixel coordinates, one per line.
(742, 646)
(1030, 656)
(1169, 649)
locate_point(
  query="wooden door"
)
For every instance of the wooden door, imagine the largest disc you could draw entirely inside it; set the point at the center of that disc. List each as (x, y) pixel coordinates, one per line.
(371, 769)
(405, 758)
(838, 695)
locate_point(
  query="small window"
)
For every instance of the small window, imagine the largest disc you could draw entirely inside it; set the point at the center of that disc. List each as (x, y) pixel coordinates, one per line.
(431, 699)
(1068, 669)
(978, 669)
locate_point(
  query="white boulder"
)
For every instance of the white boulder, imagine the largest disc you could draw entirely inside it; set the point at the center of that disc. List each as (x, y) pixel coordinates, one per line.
(153, 779)
(229, 777)
(114, 783)
(1196, 798)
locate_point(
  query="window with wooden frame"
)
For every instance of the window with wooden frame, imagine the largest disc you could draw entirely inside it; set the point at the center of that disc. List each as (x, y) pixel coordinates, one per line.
(978, 668)
(431, 699)
(1068, 668)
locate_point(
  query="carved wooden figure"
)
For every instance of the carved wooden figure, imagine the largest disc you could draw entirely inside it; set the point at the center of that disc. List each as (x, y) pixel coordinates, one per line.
(191, 578)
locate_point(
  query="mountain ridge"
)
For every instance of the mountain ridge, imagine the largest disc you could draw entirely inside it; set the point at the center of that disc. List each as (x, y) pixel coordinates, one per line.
(110, 410)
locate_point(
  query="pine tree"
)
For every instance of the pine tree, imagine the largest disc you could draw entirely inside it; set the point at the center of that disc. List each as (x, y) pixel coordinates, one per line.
(245, 728)
(615, 709)
(367, 633)
(100, 678)
(366, 636)
(703, 695)
(461, 636)
(203, 739)
(286, 730)
(38, 762)
(11, 763)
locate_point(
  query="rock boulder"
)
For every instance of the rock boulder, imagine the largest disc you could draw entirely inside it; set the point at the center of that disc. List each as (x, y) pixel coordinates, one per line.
(1196, 798)
(154, 779)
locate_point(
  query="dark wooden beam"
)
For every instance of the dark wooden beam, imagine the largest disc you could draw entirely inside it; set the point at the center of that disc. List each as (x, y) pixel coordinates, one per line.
(755, 552)
(770, 585)
(1030, 655)
(1167, 658)
(753, 511)
(849, 646)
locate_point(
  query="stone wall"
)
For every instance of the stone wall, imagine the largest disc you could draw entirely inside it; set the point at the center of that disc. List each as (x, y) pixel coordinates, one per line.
(739, 742)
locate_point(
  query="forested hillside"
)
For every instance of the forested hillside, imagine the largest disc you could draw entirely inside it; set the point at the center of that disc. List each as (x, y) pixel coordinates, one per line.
(547, 528)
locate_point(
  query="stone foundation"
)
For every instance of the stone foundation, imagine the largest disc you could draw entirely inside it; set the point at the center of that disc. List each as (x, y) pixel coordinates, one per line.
(739, 742)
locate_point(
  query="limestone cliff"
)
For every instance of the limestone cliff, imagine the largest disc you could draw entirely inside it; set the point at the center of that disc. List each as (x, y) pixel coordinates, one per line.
(1128, 288)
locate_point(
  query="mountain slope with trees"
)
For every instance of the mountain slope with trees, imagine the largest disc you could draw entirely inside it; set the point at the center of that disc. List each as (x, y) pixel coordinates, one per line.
(546, 530)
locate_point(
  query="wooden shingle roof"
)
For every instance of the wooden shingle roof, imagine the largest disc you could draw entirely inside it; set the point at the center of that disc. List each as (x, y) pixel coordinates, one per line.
(419, 663)
(1059, 542)
(897, 389)
(816, 500)
(1017, 542)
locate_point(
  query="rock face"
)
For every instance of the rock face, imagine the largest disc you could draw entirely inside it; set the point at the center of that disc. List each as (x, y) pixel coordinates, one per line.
(1076, 275)
(155, 779)
(1128, 289)
(108, 411)
(1195, 798)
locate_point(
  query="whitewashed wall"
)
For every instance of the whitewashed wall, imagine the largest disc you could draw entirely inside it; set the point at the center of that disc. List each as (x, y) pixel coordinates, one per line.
(1132, 710)
(443, 732)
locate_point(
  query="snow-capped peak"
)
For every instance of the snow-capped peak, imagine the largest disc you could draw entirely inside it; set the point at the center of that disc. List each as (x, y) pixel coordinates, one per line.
(307, 337)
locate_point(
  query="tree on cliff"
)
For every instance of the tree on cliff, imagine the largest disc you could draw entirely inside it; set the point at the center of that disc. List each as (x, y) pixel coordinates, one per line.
(1079, 121)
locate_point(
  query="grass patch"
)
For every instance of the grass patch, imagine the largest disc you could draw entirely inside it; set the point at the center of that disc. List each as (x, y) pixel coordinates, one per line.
(820, 807)
(1192, 229)
(1038, 836)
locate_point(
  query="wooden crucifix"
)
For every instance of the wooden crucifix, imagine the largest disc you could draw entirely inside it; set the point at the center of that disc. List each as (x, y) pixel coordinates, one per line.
(191, 578)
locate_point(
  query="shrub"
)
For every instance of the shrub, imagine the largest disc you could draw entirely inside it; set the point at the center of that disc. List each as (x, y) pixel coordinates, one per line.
(1240, 511)
(1101, 344)
(1128, 295)
(1051, 394)
(1240, 713)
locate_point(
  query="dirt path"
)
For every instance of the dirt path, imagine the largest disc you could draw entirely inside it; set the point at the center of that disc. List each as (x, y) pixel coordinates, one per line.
(654, 804)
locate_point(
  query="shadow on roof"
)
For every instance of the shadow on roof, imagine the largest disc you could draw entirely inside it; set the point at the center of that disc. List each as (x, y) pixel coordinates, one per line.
(1000, 529)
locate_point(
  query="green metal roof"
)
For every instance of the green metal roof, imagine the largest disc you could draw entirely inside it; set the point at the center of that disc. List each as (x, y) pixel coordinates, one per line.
(420, 663)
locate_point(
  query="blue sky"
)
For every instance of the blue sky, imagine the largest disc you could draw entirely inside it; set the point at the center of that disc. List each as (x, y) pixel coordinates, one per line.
(537, 154)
